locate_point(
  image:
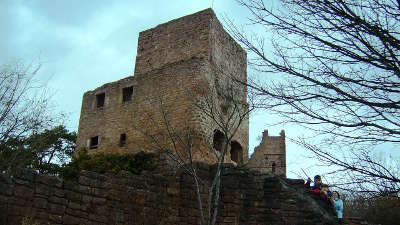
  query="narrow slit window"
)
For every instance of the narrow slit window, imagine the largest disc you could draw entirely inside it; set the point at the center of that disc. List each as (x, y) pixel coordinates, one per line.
(100, 100)
(94, 142)
(122, 140)
(127, 93)
(273, 167)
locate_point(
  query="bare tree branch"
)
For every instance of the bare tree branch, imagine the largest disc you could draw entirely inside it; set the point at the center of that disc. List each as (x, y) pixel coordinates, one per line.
(333, 68)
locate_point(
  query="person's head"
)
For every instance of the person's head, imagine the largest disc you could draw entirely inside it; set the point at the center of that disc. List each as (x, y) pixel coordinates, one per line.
(324, 187)
(335, 195)
(317, 180)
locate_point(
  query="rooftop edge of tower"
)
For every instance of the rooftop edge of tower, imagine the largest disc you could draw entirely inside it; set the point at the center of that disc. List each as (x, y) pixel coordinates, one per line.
(198, 35)
(207, 11)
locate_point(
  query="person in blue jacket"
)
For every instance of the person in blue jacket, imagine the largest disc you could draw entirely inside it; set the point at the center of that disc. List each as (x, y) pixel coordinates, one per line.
(337, 205)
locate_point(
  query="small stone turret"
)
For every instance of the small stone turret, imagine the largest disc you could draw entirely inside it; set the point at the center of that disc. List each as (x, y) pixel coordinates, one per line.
(270, 155)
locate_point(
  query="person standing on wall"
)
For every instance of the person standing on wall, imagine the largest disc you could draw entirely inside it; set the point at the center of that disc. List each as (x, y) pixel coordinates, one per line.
(338, 205)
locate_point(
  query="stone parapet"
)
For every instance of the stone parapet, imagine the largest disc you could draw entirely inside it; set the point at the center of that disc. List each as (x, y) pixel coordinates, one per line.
(159, 197)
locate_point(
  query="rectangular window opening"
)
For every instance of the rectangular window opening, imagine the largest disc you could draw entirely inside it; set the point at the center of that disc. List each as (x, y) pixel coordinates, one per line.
(127, 94)
(122, 140)
(94, 142)
(100, 100)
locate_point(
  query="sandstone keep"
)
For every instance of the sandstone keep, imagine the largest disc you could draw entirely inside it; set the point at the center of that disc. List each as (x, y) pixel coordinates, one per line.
(176, 62)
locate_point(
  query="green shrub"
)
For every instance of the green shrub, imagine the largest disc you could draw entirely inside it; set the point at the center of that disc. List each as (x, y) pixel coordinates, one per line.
(114, 163)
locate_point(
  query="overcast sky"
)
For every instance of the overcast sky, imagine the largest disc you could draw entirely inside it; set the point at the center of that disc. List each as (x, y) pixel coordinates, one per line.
(84, 44)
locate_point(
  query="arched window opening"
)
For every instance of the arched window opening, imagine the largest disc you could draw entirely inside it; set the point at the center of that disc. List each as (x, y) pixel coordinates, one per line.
(236, 152)
(218, 140)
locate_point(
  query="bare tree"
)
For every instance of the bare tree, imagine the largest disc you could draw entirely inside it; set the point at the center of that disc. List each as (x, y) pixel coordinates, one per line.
(225, 110)
(332, 67)
(359, 170)
(24, 111)
(24, 105)
(378, 210)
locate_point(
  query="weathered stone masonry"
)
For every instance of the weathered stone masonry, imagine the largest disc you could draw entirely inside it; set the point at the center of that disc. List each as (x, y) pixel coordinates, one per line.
(247, 198)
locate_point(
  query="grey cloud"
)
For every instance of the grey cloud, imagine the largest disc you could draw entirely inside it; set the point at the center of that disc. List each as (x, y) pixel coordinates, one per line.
(71, 12)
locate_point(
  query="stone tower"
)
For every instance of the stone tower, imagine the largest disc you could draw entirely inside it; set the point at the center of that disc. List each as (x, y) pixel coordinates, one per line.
(270, 155)
(175, 61)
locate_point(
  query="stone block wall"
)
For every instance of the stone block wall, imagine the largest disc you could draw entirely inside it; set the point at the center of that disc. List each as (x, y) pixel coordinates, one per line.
(106, 122)
(160, 197)
(142, 116)
(175, 41)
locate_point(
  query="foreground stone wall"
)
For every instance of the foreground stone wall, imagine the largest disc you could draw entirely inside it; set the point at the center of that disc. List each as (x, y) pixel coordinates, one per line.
(158, 197)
